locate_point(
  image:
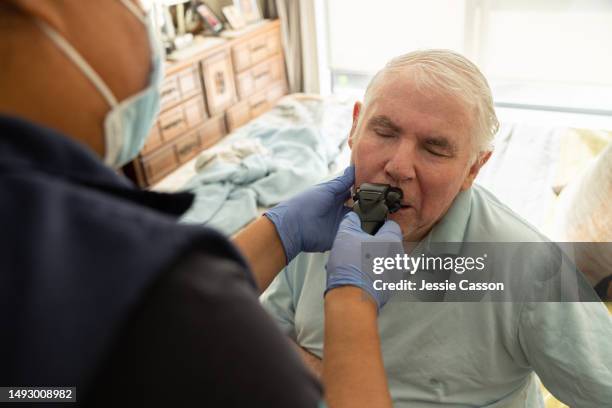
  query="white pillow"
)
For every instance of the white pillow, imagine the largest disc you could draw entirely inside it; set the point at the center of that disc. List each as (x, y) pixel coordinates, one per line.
(584, 214)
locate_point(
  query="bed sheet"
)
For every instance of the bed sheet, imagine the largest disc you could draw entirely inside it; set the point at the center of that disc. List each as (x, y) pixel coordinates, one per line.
(294, 145)
(522, 169)
(529, 166)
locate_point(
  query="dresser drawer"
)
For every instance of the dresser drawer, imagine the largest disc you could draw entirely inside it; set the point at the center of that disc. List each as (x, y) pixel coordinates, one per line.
(172, 123)
(195, 111)
(241, 56)
(273, 42)
(188, 146)
(264, 100)
(206, 135)
(189, 81)
(256, 50)
(212, 131)
(246, 85)
(238, 115)
(255, 105)
(262, 74)
(257, 78)
(153, 140)
(259, 103)
(276, 91)
(218, 82)
(170, 93)
(277, 68)
(180, 86)
(159, 163)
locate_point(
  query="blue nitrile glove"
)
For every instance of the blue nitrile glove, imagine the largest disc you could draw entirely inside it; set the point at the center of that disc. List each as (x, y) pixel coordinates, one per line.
(309, 221)
(344, 264)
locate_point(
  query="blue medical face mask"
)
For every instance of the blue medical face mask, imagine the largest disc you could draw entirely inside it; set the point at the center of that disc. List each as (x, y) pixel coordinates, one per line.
(127, 124)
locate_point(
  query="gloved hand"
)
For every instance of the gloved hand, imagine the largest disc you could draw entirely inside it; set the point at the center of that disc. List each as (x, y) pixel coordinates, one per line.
(309, 221)
(344, 264)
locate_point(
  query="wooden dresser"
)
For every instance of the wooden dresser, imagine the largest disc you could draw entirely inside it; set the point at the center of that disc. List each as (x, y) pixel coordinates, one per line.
(209, 94)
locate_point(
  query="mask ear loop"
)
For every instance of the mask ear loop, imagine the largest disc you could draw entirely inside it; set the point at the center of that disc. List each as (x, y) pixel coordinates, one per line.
(135, 10)
(78, 60)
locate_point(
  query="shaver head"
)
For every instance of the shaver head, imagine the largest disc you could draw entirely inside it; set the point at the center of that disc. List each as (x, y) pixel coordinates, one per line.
(373, 202)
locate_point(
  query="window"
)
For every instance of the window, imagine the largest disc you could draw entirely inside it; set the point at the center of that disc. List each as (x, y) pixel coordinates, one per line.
(546, 55)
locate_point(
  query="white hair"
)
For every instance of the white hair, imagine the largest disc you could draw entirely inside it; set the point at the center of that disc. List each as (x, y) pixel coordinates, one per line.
(451, 73)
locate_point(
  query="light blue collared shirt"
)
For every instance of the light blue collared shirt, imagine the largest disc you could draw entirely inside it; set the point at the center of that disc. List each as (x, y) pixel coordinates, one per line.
(467, 354)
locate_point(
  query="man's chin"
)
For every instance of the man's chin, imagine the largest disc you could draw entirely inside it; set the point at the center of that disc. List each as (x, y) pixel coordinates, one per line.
(406, 218)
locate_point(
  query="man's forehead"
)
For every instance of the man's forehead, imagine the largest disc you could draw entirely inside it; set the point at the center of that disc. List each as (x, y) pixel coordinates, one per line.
(416, 115)
(397, 100)
(408, 86)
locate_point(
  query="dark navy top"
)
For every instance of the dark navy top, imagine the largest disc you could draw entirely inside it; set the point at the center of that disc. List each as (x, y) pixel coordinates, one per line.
(101, 289)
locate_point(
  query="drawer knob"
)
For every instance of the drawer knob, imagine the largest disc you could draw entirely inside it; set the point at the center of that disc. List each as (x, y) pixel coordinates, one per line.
(168, 92)
(259, 47)
(187, 148)
(172, 124)
(219, 82)
(258, 103)
(263, 74)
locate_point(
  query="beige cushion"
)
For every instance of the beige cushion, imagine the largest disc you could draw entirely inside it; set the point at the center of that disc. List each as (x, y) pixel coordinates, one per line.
(584, 214)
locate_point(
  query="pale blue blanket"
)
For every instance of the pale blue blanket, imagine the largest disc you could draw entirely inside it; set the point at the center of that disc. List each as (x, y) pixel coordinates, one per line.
(228, 194)
(304, 138)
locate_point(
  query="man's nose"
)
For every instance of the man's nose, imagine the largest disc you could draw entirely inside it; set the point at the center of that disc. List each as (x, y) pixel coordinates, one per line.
(401, 164)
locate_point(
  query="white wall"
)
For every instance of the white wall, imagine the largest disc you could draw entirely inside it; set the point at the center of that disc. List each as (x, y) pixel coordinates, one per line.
(364, 35)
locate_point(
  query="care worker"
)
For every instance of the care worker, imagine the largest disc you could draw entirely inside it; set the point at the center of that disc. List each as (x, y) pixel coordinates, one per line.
(100, 288)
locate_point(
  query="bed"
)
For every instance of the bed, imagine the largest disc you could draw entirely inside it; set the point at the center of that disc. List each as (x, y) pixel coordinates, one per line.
(302, 140)
(299, 142)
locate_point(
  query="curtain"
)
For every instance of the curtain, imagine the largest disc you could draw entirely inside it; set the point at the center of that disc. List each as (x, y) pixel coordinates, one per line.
(299, 41)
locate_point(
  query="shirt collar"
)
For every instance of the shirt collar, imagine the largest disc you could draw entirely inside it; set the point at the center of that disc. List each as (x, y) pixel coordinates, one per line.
(27, 147)
(450, 229)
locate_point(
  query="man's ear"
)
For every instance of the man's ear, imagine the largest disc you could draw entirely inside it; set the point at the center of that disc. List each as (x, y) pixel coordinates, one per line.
(356, 111)
(483, 157)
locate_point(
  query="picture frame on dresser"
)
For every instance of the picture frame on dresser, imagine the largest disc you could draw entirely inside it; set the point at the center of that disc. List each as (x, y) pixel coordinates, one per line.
(249, 9)
(233, 17)
(211, 21)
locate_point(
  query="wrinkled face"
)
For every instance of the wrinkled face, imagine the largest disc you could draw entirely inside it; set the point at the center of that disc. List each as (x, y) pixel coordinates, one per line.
(419, 143)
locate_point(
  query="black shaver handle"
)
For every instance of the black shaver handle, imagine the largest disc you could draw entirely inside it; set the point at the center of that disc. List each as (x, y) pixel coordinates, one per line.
(373, 202)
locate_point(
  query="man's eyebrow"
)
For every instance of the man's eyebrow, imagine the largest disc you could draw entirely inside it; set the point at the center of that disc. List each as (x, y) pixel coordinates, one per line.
(385, 122)
(440, 141)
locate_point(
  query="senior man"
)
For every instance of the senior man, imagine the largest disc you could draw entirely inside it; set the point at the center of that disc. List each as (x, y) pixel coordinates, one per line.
(426, 126)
